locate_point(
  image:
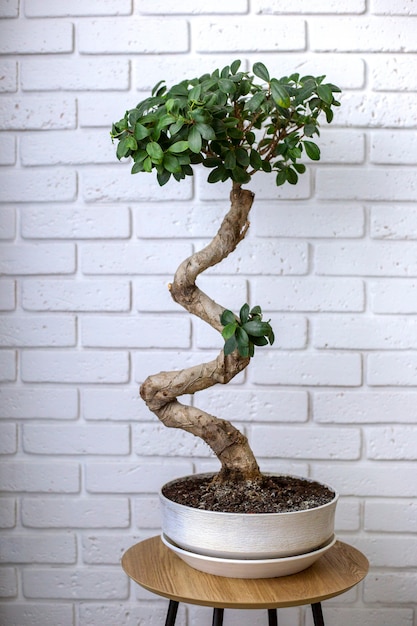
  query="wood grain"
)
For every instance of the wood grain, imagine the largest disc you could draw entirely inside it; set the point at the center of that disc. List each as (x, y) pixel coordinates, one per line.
(156, 568)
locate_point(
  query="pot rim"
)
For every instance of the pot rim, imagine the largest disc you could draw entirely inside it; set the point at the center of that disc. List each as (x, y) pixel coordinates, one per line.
(252, 515)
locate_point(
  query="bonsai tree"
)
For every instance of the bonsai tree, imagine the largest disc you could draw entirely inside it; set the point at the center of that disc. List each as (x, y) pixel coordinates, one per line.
(234, 125)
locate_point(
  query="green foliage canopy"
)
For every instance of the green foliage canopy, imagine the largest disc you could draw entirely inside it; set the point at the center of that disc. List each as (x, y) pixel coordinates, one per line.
(228, 122)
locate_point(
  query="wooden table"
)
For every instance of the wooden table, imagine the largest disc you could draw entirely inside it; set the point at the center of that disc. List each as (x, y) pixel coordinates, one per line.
(159, 570)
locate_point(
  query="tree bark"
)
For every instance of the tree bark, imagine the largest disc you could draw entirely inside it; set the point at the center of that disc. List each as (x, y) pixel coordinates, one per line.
(160, 391)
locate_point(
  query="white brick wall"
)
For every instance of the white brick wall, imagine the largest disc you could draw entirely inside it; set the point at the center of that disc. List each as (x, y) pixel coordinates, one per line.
(87, 252)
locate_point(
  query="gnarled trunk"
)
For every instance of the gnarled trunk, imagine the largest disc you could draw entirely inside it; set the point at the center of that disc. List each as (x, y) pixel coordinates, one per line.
(160, 391)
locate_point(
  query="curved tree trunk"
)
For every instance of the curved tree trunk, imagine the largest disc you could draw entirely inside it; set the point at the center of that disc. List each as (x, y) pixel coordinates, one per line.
(160, 391)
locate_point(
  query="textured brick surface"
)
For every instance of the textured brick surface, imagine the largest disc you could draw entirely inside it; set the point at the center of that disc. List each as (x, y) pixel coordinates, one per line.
(87, 253)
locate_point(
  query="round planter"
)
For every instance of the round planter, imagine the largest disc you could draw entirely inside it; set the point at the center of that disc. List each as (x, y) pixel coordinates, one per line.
(248, 536)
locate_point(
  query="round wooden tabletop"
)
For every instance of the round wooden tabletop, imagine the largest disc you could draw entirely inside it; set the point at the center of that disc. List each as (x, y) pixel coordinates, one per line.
(159, 570)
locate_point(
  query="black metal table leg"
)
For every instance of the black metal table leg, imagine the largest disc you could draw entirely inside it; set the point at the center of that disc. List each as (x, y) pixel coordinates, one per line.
(172, 613)
(272, 617)
(317, 614)
(218, 617)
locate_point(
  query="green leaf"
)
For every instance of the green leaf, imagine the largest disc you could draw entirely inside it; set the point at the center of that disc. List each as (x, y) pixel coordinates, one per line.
(171, 163)
(242, 341)
(178, 146)
(292, 176)
(227, 317)
(140, 131)
(242, 157)
(261, 71)
(280, 94)
(147, 164)
(257, 328)
(256, 310)
(244, 313)
(312, 150)
(254, 103)
(239, 175)
(194, 140)
(206, 131)
(325, 93)
(230, 345)
(281, 177)
(229, 330)
(155, 152)
(163, 177)
(227, 86)
(217, 175)
(259, 341)
(255, 160)
(230, 160)
(235, 66)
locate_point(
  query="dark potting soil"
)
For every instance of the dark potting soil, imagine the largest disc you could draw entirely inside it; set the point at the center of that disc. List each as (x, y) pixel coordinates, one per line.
(273, 494)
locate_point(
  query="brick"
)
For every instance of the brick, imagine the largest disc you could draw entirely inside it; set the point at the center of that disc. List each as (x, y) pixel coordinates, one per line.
(366, 259)
(84, 222)
(33, 402)
(132, 35)
(115, 184)
(145, 362)
(362, 34)
(364, 407)
(364, 333)
(367, 184)
(377, 110)
(382, 479)
(380, 616)
(191, 7)
(89, 295)
(75, 584)
(392, 72)
(7, 223)
(146, 513)
(7, 514)
(113, 404)
(38, 113)
(8, 438)
(58, 366)
(262, 185)
(302, 442)
(36, 331)
(105, 549)
(342, 147)
(181, 219)
(39, 614)
(7, 295)
(397, 515)
(158, 440)
(386, 587)
(304, 6)
(8, 365)
(66, 8)
(399, 296)
(82, 439)
(44, 185)
(40, 477)
(397, 148)
(35, 548)
(314, 369)
(392, 369)
(391, 442)
(100, 112)
(348, 515)
(255, 405)
(9, 8)
(309, 294)
(76, 513)
(35, 259)
(393, 222)
(143, 476)
(401, 7)
(74, 75)
(8, 150)
(37, 37)
(143, 258)
(263, 257)
(309, 221)
(254, 34)
(149, 331)
(79, 512)
(8, 583)
(41, 150)
(8, 75)
(123, 614)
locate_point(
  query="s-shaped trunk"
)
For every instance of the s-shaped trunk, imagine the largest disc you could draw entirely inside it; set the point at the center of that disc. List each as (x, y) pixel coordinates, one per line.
(160, 391)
